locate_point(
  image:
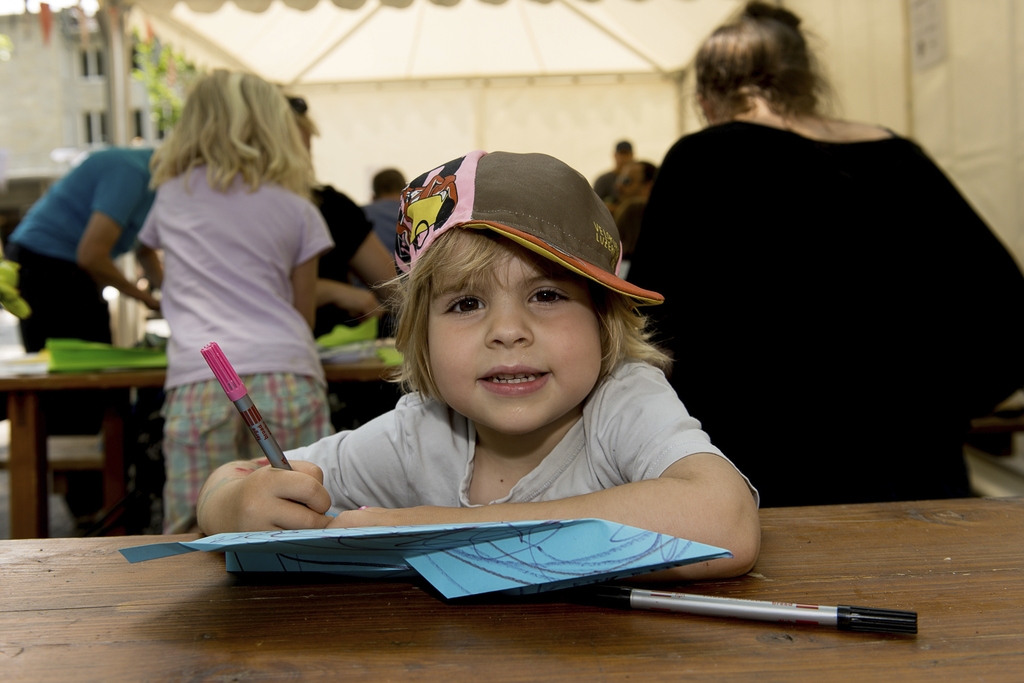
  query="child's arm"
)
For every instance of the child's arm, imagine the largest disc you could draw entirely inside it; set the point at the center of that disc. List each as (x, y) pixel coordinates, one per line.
(304, 289)
(701, 498)
(248, 495)
(358, 302)
(375, 265)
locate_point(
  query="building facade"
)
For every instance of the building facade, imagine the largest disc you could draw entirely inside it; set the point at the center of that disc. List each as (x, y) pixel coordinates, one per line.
(54, 104)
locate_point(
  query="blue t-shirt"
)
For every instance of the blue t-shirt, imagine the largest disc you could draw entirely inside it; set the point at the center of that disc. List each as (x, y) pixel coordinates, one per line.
(383, 214)
(114, 181)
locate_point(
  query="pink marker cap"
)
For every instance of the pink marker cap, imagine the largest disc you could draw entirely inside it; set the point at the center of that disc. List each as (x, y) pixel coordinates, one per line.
(222, 370)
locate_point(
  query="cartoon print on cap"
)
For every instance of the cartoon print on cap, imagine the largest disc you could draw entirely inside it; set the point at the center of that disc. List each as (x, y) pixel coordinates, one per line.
(427, 203)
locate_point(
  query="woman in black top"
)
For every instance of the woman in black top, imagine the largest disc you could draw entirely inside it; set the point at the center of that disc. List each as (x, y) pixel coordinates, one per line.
(838, 311)
(357, 250)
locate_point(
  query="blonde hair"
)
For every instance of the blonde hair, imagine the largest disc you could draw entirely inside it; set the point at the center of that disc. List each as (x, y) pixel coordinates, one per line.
(466, 257)
(236, 124)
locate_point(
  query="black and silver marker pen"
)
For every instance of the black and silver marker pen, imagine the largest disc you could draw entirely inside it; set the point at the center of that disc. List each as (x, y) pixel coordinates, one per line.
(843, 617)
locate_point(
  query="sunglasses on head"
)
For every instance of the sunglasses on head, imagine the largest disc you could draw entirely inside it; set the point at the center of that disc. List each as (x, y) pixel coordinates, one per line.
(298, 105)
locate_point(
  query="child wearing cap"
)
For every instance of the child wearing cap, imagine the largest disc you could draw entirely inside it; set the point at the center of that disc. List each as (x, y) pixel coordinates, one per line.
(533, 391)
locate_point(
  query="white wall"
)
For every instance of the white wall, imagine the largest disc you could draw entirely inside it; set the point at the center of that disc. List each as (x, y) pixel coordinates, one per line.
(416, 126)
(968, 109)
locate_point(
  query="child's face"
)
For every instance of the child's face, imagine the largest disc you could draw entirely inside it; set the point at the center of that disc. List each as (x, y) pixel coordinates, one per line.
(519, 353)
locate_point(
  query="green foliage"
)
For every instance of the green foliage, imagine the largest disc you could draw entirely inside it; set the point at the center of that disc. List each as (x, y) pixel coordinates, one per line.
(6, 47)
(166, 75)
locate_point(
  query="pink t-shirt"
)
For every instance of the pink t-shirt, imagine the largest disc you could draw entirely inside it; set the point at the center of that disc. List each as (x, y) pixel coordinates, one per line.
(228, 259)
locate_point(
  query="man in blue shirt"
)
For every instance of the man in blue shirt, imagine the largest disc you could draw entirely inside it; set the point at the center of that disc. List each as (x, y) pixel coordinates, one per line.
(383, 212)
(66, 246)
(67, 243)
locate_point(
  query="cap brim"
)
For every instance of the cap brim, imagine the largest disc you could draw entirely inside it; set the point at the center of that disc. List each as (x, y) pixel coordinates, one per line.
(643, 297)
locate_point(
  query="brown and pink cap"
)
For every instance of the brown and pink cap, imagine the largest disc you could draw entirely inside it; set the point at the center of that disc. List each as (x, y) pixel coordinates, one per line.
(534, 200)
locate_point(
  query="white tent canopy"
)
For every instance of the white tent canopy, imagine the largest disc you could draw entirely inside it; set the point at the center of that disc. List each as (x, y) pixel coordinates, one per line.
(409, 83)
(304, 41)
(412, 83)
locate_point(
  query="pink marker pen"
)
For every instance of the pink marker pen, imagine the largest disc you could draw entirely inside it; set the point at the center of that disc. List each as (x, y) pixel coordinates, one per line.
(233, 387)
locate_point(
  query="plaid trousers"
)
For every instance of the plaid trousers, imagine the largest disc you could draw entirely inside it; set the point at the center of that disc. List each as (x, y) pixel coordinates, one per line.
(203, 430)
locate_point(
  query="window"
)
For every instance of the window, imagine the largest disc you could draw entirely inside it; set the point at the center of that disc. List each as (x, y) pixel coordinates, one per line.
(95, 126)
(139, 132)
(92, 63)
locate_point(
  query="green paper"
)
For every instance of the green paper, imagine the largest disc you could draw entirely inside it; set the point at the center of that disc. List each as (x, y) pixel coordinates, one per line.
(389, 356)
(76, 355)
(342, 334)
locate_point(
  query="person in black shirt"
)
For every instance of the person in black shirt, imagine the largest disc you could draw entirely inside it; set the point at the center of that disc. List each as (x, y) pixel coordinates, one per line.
(357, 250)
(841, 309)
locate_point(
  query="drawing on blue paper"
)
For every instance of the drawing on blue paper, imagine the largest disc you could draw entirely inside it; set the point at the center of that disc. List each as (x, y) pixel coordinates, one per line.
(458, 560)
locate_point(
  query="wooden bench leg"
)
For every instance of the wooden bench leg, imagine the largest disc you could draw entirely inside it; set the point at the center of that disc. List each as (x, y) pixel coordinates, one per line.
(113, 458)
(28, 467)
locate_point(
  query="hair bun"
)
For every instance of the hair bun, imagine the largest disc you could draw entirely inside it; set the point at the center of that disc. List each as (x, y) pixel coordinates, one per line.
(761, 10)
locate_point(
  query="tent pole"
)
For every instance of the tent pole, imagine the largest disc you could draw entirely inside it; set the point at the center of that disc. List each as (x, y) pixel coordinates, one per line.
(111, 18)
(679, 77)
(908, 70)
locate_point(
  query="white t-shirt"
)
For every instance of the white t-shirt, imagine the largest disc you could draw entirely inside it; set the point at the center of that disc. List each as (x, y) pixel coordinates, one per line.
(421, 453)
(228, 259)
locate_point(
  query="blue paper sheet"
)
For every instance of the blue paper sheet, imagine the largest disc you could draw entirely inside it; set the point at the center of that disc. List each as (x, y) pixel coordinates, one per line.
(457, 560)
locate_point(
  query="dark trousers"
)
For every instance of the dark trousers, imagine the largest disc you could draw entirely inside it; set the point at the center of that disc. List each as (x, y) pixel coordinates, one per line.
(66, 304)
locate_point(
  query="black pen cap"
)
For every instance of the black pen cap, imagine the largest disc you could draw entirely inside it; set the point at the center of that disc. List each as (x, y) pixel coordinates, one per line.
(601, 595)
(874, 620)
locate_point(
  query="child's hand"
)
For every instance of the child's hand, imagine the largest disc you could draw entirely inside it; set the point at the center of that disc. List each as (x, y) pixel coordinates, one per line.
(242, 496)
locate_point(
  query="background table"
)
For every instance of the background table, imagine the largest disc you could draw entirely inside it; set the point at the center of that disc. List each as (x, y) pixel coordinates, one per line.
(74, 609)
(27, 459)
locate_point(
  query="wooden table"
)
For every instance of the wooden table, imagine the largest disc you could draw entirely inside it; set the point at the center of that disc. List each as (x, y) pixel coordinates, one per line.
(27, 456)
(75, 610)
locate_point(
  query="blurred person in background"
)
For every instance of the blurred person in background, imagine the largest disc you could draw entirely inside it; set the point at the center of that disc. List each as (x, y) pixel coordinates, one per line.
(67, 243)
(849, 309)
(633, 188)
(604, 186)
(357, 250)
(65, 247)
(358, 258)
(382, 212)
(241, 241)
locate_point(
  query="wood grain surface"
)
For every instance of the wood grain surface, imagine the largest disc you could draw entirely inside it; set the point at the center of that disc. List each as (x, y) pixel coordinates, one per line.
(75, 610)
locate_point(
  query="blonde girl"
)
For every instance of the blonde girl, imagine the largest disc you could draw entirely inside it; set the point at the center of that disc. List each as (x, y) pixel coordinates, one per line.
(241, 241)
